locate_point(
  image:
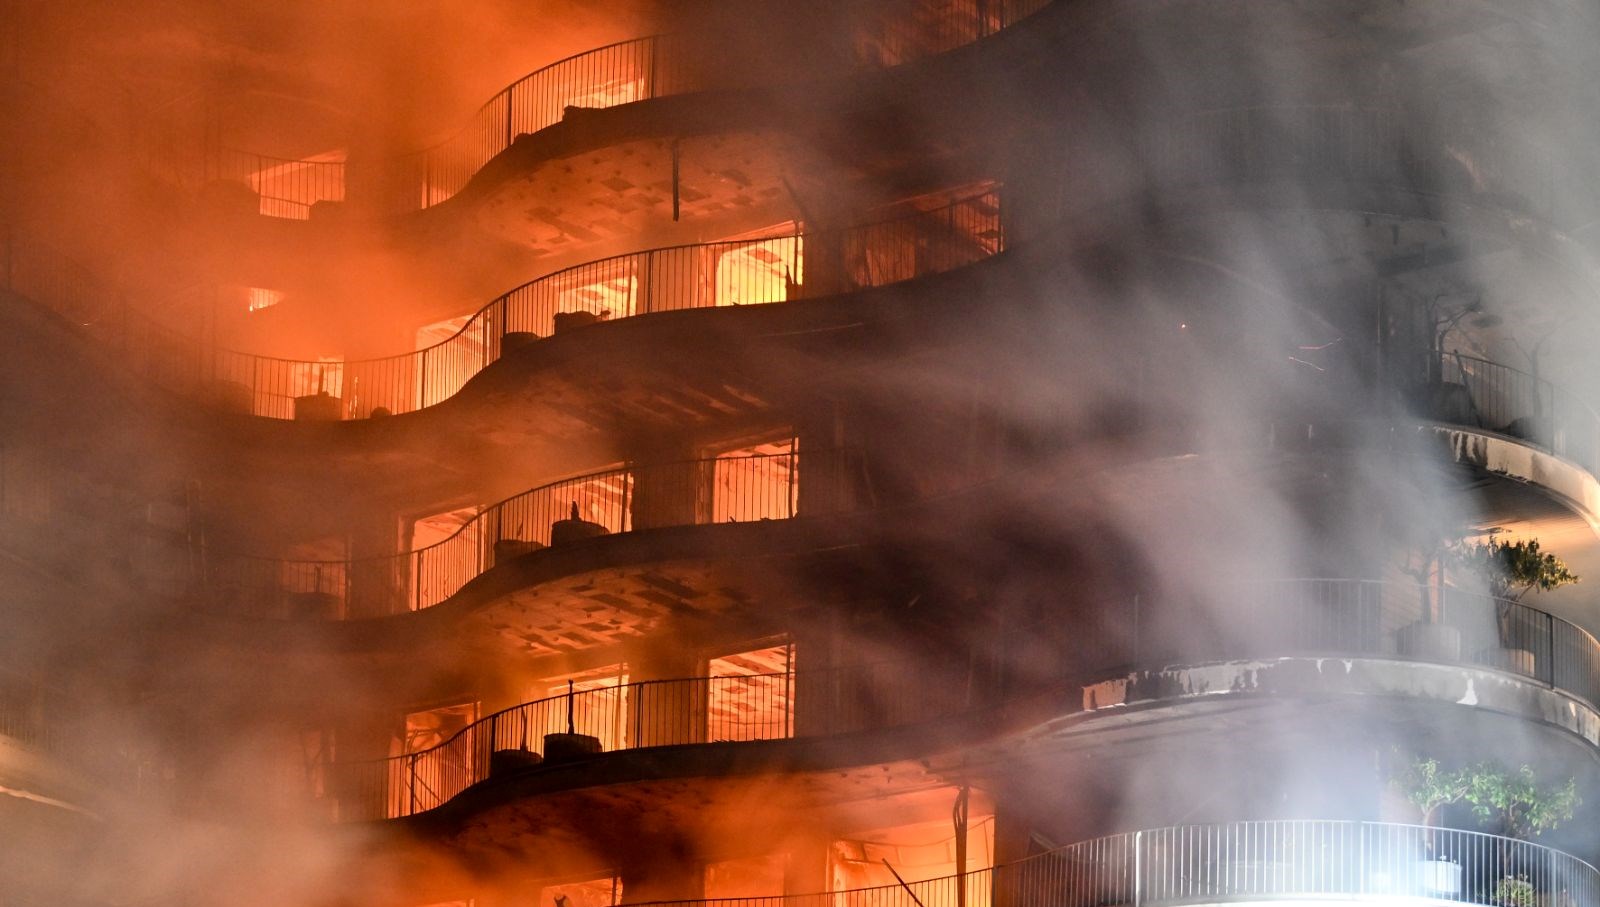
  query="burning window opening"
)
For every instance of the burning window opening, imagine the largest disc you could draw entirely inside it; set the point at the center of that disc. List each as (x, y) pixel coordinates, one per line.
(435, 528)
(449, 352)
(603, 296)
(601, 93)
(918, 851)
(751, 695)
(750, 877)
(425, 730)
(289, 189)
(440, 331)
(756, 482)
(428, 728)
(455, 527)
(605, 891)
(312, 389)
(602, 712)
(258, 298)
(767, 270)
(603, 499)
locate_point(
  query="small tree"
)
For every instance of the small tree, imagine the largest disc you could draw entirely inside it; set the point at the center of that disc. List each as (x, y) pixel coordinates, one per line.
(1516, 802)
(1431, 788)
(1512, 570)
(1519, 807)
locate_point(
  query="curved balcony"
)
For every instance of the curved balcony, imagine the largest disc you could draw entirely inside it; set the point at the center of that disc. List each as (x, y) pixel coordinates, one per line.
(1492, 404)
(1336, 639)
(38, 272)
(657, 66)
(1476, 393)
(1265, 860)
(1358, 617)
(781, 268)
(1262, 861)
(743, 489)
(655, 713)
(1304, 859)
(1322, 618)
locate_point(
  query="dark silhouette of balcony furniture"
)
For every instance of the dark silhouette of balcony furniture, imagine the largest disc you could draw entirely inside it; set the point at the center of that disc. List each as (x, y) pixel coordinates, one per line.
(1448, 401)
(574, 528)
(515, 340)
(569, 747)
(318, 407)
(566, 321)
(508, 549)
(233, 397)
(504, 762)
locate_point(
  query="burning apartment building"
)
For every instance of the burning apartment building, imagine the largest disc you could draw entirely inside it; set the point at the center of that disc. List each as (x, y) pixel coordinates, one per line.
(907, 453)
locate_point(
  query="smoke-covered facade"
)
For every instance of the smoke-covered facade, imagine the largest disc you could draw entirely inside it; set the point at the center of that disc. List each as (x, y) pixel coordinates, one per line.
(922, 453)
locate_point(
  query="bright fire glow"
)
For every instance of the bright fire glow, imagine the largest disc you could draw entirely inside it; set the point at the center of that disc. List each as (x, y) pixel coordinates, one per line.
(602, 892)
(755, 483)
(432, 530)
(289, 188)
(624, 89)
(918, 852)
(763, 271)
(611, 297)
(759, 705)
(261, 298)
(428, 728)
(602, 711)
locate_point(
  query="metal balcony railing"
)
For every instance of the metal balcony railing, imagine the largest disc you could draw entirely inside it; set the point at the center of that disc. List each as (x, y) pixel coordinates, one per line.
(656, 66)
(750, 488)
(1344, 617)
(1317, 858)
(1325, 617)
(1244, 861)
(37, 715)
(1467, 390)
(35, 271)
(652, 713)
(735, 272)
(284, 187)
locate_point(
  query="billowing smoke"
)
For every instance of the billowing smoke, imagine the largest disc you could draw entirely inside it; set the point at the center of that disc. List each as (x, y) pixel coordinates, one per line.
(1252, 248)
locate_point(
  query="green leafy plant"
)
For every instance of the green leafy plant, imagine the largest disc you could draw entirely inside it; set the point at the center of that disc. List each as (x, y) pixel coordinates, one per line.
(1431, 788)
(1513, 569)
(1515, 891)
(1516, 802)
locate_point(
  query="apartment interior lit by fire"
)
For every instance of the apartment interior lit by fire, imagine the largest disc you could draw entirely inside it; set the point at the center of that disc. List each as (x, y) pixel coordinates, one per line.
(916, 453)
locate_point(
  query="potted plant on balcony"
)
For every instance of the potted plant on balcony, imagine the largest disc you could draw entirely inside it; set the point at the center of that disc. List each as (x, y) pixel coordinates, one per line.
(1426, 557)
(1511, 570)
(1517, 806)
(1515, 891)
(1430, 788)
